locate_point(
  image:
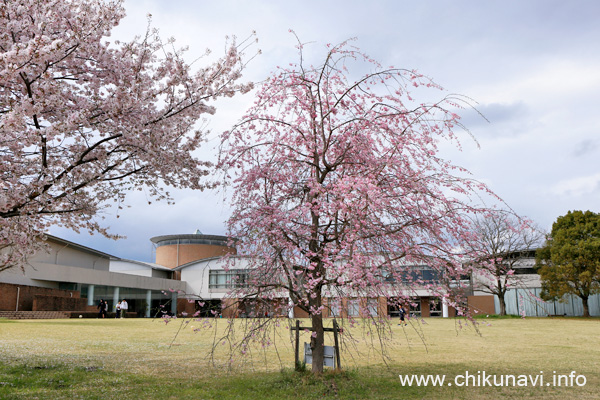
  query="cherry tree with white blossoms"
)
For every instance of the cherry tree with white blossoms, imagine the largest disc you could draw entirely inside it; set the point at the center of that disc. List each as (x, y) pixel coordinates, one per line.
(339, 190)
(84, 120)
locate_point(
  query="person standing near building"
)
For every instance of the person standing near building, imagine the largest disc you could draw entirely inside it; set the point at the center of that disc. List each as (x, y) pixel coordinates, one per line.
(118, 313)
(102, 309)
(124, 308)
(402, 315)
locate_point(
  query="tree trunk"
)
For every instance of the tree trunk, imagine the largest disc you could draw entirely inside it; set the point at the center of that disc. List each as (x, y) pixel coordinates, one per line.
(502, 303)
(586, 309)
(501, 291)
(317, 342)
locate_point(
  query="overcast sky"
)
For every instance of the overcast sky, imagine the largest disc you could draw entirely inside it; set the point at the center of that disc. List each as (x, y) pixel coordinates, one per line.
(533, 67)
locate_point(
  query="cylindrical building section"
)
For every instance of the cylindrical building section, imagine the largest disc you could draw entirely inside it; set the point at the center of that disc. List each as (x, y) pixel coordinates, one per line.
(175, 250)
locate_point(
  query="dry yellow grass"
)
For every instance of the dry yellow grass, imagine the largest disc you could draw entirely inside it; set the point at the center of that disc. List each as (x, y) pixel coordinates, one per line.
(438, 346)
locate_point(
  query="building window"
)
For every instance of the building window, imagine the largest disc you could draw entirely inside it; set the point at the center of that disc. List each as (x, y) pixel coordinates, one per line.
(415, 307)
(412, 273)
(221, 279)
(372, 307)
(335, 307)
(68, 286)
(192, 241)
(353, 307)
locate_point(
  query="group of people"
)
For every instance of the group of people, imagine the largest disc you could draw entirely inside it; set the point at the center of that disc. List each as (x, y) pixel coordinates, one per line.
(122, 308)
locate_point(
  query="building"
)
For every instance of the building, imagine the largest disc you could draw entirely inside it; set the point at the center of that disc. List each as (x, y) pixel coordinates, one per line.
(190, 276)
(73, 278)
(523, 297)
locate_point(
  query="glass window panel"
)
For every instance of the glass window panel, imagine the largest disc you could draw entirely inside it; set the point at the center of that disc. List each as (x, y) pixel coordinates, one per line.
(353, 308)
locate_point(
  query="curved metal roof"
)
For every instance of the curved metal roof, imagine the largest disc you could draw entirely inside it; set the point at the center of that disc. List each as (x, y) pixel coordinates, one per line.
(217, 238)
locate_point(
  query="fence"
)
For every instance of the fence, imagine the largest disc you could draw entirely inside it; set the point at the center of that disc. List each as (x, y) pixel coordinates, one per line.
(527, 302)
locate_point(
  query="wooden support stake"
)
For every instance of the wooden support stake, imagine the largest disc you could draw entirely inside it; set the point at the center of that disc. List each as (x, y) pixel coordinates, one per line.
(337, 344)
(336, 330)
(297, 358)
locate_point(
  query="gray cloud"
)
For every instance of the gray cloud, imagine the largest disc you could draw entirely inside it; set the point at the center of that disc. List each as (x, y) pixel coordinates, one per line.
(533, 66)
(506, 119)
(585, 147)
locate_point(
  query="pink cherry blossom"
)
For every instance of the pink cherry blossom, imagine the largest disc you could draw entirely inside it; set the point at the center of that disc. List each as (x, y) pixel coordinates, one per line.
(338, 187)
(83, 120)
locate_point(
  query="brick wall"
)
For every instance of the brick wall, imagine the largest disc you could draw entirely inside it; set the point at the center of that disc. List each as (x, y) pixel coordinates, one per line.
(183, 305)
(26, 294)
(230, 308)
(425, 307)
(58, 303)
(481, 304)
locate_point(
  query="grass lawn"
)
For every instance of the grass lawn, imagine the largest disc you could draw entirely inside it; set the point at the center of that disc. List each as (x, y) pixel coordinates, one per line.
(134, 359)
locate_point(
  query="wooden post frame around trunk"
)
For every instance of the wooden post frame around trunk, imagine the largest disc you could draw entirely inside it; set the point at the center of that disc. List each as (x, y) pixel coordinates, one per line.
(336, 330)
